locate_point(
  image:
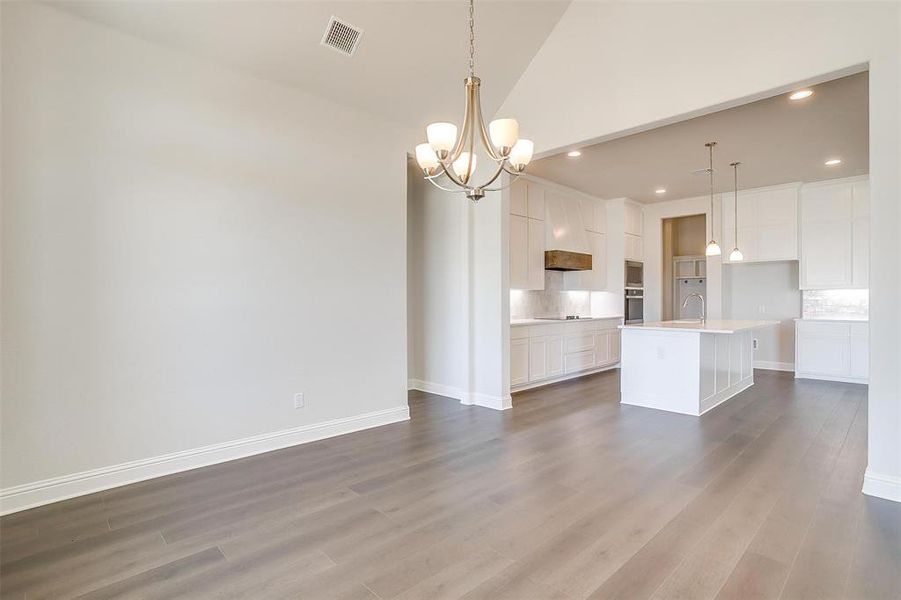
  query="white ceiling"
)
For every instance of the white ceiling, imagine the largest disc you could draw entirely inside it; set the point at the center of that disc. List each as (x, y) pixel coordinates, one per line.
(409, 66)
(777, 141)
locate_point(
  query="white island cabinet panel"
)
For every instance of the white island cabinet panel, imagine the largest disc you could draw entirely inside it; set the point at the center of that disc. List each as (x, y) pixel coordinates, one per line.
(684, 367)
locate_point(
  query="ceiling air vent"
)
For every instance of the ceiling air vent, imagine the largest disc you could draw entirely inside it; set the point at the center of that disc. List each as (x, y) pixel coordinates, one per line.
(342, 36)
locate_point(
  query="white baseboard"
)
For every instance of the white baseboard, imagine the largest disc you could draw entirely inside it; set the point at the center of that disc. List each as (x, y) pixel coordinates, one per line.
(436, 388)
(882, 486)
(861, 380)
(474, 399)
(768, 365)
(38, 493)
(486, 401)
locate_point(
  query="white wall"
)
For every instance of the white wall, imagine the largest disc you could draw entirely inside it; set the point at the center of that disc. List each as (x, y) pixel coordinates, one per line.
(437, 232)
(765, 291)
(183, 249)
(631, 66)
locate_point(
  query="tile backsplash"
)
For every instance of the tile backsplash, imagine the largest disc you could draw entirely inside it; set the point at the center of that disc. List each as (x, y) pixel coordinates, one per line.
(552, 301)
(835, 304)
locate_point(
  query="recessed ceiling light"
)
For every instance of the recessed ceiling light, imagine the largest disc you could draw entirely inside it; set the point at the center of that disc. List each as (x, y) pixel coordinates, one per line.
(801, 94)
(832, 162)
(574, 154)
(660, 191)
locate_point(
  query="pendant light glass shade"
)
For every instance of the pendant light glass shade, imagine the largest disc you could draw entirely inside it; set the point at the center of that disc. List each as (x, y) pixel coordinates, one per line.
(441, 136)
(503, 133)
(521, 154)
(426, 157)
(463, 168)
(736, 255)
(712, 249)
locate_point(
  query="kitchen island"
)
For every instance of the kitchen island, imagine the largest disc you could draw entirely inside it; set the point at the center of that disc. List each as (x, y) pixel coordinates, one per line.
(687, 366)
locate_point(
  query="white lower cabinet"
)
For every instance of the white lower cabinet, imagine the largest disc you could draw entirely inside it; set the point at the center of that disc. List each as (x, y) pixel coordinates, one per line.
(519, 361)
(546, 352)
(832, 350)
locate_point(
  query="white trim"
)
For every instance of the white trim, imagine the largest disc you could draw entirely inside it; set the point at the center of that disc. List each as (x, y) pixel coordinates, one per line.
(711, 402)
(861, 380)
(544, 382)
(486, 401)
(768, 365)
(436, 388)
(38, 493)
(882, 486)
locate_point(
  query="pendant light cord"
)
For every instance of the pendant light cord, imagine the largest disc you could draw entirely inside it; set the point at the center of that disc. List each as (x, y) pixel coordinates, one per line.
(735, 216)
(710, 146)
(472, 38)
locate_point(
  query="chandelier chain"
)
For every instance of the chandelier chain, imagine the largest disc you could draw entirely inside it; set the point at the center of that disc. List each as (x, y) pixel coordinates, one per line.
(472, 38)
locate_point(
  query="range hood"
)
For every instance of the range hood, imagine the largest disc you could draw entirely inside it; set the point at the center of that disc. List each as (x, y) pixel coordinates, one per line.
(564, 260)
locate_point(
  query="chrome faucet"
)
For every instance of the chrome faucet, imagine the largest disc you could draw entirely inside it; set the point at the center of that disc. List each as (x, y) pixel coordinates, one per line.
(703, 304)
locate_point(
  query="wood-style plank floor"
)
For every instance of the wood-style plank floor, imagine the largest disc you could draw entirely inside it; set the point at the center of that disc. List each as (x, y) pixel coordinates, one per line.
(569, 495)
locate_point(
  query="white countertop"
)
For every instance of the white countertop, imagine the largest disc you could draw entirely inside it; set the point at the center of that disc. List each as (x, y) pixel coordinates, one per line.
(521, 322)
(831, 320)
(708, 326)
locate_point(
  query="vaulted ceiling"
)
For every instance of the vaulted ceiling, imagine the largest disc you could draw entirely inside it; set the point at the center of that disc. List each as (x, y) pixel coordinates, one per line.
(409, 66)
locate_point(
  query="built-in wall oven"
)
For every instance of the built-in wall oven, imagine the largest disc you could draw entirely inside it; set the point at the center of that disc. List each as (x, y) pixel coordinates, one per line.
(634, 310)
(634, 297)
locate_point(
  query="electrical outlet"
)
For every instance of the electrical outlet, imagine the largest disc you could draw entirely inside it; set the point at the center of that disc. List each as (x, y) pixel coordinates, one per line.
(298, 400)
(755, 347)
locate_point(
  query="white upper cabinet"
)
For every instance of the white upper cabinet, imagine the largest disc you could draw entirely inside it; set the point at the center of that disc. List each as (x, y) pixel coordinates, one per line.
(527, 199)
(767, 223)
(594, 280)
(634, 247)
(527, 235)
(634, 224)
(835, 234)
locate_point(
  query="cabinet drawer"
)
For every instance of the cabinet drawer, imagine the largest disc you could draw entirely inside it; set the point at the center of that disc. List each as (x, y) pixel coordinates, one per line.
(579, 361)
(578, 343)
(821, 328)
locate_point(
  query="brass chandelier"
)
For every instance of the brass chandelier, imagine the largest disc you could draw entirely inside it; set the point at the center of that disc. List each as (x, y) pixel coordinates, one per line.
(450, 160)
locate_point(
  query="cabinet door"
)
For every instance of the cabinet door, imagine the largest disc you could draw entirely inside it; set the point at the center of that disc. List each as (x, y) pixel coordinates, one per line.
(537, 359)
(601, 348)
(634, 248)
(519, 252)
(554, 353)
(826, 254)
(776, 242)
(536, 255)
(519, 203)
(824, 355)
(614, 340)
(860, 357)
(634, 220)
(519, 361)
(536, 201)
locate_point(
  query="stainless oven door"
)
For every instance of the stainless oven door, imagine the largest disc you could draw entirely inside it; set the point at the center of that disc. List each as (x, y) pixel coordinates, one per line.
(634, 311)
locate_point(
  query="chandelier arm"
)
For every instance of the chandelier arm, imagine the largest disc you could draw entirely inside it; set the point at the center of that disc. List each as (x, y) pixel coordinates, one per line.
(453, 177)
(505, 186)
(441, 187)
(483, 131)
(497, 173)
(467, 118)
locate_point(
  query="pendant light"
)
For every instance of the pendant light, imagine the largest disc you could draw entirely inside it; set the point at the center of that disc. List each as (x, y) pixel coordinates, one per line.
(712, 249)
(446, 155)
(736, 255)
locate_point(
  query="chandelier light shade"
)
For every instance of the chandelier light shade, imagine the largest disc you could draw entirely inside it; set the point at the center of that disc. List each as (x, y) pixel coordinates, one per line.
(712, 249)
(448, 160)
(736, 255)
